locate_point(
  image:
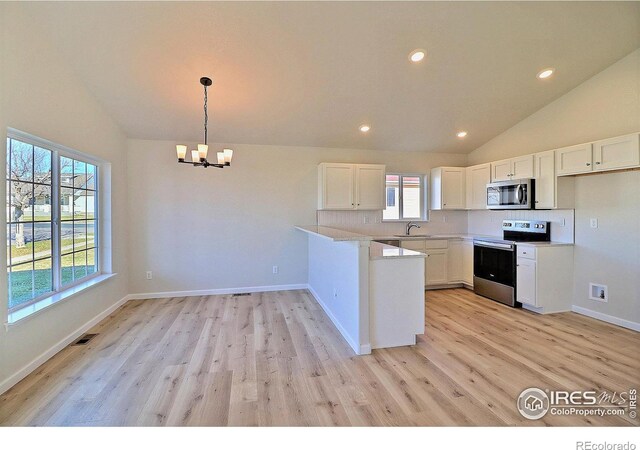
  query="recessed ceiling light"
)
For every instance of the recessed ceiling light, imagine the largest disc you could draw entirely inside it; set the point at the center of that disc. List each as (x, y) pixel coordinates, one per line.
(461, 134)
(364, 128)
(416, 55)
(546, 73)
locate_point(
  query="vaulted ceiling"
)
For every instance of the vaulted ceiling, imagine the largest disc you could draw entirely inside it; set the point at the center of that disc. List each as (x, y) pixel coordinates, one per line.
(309, 73)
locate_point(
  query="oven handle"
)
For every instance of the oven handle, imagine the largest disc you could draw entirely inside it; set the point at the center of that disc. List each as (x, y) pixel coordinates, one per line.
(496, 245)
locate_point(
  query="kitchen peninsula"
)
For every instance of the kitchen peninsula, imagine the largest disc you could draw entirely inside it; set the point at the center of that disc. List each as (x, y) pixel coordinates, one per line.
(372, 292)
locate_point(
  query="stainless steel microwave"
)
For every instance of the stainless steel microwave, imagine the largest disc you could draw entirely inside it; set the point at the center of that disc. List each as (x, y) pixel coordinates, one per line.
(511, 194)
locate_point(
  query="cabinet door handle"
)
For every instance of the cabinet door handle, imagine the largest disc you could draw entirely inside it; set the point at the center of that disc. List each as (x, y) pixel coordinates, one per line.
(588, 164)
(597, 162)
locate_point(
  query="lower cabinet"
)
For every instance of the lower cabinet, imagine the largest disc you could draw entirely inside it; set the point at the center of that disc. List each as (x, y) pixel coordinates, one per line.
(526, 281)
(460, 262)
(447, 262)
(544, 277)
(467, 262)
(436, 267)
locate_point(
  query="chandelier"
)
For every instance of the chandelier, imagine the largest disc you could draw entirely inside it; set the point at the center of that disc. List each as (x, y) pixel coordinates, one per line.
(199, 157)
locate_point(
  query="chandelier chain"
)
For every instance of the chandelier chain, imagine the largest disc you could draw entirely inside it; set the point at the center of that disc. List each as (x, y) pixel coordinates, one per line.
(206, 115)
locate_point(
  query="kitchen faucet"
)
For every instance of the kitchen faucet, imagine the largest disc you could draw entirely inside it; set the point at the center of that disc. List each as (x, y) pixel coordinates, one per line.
(411, 225)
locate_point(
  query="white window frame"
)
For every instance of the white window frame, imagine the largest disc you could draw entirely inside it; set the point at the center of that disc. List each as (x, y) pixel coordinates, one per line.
(60, 292)
(424, 210)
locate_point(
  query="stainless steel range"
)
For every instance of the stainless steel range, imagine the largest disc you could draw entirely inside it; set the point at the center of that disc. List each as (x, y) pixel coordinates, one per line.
(494, 260)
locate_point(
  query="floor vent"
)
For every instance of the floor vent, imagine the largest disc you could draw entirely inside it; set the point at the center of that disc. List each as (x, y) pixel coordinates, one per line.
(84, 340)
(241, 295)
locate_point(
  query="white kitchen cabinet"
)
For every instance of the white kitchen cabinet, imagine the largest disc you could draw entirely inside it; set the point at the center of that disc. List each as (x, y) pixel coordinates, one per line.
(370, 186)
(351, 186)
(526, 281)
(454, 262)
(467, 262)
(545, 175)
(512, 169)
(617, 153)
(522, 167)
(477, 178)
(551, 192)
(413, 244)
(544, 277)
(436, 263)
(448, 188)
(460, 262)
(574, 159)
(436, 267)
(501, 170)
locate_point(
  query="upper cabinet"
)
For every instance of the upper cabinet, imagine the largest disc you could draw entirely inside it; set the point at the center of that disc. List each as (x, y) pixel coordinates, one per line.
(448, 188)
(512, 169)
(617, 153)
(573, 160)
(351, 186)
(477, 179)
(369, 186)
(620, 152)
(545, 175)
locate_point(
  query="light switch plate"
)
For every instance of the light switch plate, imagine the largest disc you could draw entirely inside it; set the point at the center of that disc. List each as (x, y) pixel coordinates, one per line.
(594, 223)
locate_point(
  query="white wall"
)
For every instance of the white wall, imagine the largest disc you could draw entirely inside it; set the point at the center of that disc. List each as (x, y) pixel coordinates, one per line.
(609, 254)
(606, 105)
(200, 229)
(339, 279)
(40, 96)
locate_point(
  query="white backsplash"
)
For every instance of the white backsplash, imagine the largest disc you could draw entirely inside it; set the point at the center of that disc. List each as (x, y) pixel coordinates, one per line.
(490, 222)
(370, 222)
(445, 222)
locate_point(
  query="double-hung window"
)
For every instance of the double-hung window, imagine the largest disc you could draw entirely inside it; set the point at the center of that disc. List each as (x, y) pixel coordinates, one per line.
(52, 220)
(406, 197)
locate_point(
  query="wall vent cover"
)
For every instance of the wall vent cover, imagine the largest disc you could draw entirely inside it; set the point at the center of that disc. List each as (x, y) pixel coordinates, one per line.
(241, 295)
(84, 339)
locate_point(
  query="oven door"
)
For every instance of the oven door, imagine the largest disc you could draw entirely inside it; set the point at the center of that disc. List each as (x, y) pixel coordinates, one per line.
(495, 262)
(510, 195)
(494, 271)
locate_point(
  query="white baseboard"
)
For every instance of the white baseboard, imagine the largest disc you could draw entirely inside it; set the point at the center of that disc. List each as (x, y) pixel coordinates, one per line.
(226, 291)
(8, 383)
(364, 349)
(635, 326)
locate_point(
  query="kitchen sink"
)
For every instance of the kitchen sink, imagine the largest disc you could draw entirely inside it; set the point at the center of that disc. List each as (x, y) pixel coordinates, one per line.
(412, 235)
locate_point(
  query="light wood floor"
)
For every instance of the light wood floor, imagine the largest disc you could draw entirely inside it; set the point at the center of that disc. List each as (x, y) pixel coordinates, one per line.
(276, 359)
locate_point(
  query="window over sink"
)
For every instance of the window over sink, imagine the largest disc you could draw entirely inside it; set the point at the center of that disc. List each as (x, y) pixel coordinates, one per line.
(405, 197)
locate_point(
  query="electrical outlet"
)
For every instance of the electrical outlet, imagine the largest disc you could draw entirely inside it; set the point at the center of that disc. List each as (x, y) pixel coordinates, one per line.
(366, 219)
(594, 223)
(149, 275)
(275, 270)
(562, 222)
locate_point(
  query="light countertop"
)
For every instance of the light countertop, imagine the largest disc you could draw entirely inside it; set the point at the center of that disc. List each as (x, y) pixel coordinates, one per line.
(334, 234)
(544, 244)
(384, 251)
